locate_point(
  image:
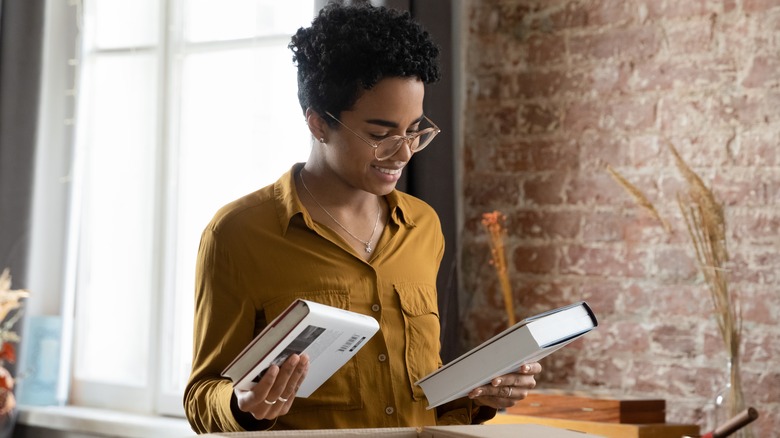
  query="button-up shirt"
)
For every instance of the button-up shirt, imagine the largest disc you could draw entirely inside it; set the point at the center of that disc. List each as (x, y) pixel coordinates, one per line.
(263, 251)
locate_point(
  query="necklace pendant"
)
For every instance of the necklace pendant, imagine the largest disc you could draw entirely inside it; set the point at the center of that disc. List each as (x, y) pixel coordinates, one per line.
(368, 248)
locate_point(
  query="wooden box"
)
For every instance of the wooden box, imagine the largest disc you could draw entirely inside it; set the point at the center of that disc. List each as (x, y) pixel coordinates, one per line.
(585, 408)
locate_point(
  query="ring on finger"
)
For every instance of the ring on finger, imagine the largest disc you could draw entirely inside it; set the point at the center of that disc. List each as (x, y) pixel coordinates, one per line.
(269, 402)
(510, 392)
(282, 399)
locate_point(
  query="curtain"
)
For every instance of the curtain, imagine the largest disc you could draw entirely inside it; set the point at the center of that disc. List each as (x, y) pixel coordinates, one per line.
(21, 36)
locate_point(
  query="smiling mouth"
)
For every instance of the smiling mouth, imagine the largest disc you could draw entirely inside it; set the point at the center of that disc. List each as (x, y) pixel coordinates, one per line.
(388, 171)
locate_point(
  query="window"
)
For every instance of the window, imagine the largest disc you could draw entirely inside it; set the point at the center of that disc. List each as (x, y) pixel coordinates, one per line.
(183, 106)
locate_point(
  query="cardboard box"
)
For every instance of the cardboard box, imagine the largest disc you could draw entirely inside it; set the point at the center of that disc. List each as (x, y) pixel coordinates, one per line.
(475, 431)
(502, 431)
(608, 430)
(587, 408)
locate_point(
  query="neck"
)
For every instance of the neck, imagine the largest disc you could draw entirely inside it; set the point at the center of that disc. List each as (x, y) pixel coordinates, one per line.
(348, 225)
(333, 194)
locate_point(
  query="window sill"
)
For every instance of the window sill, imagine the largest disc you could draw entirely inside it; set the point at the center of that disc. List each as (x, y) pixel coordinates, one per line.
(103, 422)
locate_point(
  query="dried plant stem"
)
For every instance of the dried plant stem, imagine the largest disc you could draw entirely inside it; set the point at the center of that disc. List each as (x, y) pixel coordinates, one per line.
(706, 225)
(493, 223)
(639, 197)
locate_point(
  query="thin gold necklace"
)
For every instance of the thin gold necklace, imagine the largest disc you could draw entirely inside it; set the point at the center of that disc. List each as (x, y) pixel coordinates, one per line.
(364, 242)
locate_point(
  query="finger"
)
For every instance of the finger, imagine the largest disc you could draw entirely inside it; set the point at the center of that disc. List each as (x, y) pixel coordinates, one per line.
(251, 401)
(495, 402)
(286, 371)
(516, 379)
(296, 378)
(520, 380)
(264, 396)
(530, 368)
(293, 384)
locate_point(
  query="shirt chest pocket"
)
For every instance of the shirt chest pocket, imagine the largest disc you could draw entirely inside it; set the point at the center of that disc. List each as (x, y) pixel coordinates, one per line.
(421, 330)
(341, 390)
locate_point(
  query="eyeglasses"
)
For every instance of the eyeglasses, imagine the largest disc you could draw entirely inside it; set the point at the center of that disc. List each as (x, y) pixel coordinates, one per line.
(387, 147)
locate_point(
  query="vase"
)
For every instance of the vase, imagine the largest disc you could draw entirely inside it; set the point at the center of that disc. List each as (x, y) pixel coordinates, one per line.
(729, 401)
(7, 423)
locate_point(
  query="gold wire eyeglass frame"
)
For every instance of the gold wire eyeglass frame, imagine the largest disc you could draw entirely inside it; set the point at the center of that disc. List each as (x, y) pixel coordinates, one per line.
(390, 145)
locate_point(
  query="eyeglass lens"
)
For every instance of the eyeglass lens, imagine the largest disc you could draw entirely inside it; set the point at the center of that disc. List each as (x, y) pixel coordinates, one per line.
(389, 146)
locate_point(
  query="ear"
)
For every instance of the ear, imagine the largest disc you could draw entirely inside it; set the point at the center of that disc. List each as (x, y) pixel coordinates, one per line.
(317, 125)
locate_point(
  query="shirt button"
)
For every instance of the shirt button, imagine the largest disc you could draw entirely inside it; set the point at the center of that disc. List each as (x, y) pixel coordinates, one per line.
(382, 357)
(389, 410)
(375, 307)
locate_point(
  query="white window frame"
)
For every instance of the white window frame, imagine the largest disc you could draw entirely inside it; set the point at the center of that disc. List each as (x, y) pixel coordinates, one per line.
(151, 398)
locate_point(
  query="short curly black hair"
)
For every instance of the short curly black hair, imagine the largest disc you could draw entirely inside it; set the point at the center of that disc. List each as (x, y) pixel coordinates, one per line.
(348, 49)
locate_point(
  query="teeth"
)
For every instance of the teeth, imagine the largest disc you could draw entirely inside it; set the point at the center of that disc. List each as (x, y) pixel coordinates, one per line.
(388, 171)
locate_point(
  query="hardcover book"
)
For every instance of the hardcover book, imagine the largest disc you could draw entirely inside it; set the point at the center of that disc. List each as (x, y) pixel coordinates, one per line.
(527, 341)
(328, 335)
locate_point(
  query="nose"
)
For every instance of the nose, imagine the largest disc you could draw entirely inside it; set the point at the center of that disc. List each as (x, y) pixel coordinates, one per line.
(404, 152)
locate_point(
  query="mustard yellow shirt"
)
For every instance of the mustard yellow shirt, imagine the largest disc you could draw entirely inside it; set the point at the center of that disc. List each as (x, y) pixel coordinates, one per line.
(261, 252)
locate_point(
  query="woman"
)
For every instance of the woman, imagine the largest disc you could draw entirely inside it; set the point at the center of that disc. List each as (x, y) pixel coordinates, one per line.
(335, 230)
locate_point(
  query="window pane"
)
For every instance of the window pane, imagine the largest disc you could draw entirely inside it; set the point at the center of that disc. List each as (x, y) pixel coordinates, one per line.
(241, 128)
(209, 20)
(116, 248)
(122, 23)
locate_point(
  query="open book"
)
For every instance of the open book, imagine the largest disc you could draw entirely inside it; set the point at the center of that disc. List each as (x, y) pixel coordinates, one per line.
(527, 341)
(328, 335)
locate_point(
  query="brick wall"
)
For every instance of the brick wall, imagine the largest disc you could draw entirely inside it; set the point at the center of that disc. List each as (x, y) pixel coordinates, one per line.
(558, 89)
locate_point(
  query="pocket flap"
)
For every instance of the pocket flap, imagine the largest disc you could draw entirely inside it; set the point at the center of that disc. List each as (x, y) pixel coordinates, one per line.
(417, 298)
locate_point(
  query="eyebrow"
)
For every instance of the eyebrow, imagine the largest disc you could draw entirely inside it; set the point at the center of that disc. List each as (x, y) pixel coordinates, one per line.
(389, 124)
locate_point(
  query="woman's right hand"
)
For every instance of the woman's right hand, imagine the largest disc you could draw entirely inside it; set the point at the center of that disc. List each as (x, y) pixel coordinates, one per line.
(273, 395)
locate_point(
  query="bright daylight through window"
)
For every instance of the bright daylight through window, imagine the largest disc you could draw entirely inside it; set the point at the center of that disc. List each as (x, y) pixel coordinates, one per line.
(184, 106)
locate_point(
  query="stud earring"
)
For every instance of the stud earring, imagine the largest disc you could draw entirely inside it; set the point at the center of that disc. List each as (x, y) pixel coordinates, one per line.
(322, 139)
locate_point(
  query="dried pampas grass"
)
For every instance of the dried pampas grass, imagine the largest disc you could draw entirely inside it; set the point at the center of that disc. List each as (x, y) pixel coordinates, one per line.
(706, 227)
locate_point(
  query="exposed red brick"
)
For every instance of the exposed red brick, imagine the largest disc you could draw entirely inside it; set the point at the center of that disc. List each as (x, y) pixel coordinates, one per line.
(757, 147)
(580, 14)
(763, 72)
(546, 49)
(670, 10)
(674, 74)
(631, 77)
(546, 225)
(560, 368)
(545, 189)
(535, 259)
(600, 149)
(620, 115)
(675, 265)
(606, 226)
(646, 151)
(594, 189)
(602, 296)
(602, 261)
(753, 6)
(492, 191)
(761, 227)
(535, 155)
(535, 118)
(634, 43)
(691, 37)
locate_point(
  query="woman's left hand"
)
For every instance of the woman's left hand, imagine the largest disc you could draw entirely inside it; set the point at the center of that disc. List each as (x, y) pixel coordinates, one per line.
(504, 391)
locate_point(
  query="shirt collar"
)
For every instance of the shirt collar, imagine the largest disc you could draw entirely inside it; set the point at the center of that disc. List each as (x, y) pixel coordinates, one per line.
(288, 204)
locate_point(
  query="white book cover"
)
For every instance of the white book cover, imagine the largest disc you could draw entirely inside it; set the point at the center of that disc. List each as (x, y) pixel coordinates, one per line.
(527, 341)
(328, 335)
